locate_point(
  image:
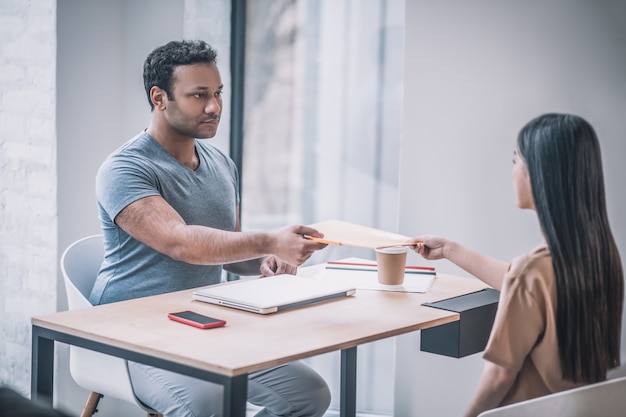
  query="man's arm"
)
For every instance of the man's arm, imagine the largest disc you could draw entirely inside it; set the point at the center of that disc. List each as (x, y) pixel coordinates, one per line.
(268, 266)
(248, 267)
(152, 221)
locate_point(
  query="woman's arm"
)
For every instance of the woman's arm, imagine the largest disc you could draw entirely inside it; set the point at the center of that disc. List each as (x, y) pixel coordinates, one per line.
(494, 384)
(489, 270)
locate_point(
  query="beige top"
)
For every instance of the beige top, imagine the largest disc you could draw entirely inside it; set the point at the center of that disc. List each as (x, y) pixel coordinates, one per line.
(524, 336)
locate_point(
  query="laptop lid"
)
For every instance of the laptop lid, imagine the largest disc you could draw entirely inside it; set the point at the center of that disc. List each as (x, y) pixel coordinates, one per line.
(272, 294)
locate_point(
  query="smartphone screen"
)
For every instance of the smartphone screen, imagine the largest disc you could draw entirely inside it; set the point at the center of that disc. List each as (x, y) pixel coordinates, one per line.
(197, 320)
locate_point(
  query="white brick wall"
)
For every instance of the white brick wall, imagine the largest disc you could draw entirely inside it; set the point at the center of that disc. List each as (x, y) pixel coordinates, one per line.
(28, 212)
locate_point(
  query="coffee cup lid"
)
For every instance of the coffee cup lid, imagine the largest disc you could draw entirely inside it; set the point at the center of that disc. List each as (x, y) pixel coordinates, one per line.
(393, 249)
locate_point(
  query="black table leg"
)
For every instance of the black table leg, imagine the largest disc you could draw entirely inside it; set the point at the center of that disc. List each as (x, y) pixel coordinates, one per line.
(42, 367)
(347, 405)
(235, 395)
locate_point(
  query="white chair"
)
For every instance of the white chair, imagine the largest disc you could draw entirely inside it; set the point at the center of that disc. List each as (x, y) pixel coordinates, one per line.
(602, 399)
(102, 374)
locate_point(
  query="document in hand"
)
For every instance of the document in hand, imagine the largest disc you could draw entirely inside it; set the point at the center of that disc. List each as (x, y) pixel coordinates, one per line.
(339, 232)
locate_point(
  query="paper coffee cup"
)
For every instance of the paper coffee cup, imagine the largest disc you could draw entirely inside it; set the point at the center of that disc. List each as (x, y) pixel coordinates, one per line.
(391, 264)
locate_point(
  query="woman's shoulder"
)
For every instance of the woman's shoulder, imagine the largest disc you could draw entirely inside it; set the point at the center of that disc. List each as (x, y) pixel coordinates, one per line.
(531, 269)
(535, 258)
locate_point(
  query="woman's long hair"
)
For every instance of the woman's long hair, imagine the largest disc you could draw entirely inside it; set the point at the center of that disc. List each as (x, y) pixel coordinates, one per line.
(562, 154)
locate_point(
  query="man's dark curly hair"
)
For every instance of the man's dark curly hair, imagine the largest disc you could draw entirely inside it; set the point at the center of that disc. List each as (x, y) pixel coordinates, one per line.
(160, 64)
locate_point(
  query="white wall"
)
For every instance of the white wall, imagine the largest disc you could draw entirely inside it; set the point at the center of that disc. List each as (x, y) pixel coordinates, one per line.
(475, 73)
(28, 218)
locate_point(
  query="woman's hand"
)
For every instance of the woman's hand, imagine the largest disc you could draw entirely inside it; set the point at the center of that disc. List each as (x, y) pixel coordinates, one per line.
(430, 247)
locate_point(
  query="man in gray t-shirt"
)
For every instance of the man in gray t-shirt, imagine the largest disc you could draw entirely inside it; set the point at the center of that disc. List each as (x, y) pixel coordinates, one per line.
(206, 196)
(169, 210)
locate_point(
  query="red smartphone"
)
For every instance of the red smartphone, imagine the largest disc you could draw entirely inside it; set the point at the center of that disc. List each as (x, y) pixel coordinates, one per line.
(197, 320)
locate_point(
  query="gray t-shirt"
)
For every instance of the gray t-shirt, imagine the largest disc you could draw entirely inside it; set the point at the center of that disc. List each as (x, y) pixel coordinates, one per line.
(142, 168)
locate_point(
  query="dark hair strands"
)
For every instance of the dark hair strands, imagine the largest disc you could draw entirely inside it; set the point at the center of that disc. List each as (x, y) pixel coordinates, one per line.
(563, 157)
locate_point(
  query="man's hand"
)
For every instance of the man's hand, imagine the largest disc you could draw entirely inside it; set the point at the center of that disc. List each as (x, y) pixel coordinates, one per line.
(273, 265)
(291, 245)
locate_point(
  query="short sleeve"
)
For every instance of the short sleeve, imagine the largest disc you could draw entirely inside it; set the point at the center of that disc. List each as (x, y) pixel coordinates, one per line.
(520, 319)
(121, 181)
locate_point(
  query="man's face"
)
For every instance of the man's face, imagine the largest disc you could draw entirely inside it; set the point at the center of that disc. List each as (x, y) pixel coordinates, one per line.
(197, 100)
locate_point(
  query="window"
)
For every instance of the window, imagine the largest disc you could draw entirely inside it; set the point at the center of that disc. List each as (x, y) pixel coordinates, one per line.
(322, 119)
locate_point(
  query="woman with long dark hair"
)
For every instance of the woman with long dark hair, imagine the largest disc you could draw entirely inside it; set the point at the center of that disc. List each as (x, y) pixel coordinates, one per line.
(558, 323)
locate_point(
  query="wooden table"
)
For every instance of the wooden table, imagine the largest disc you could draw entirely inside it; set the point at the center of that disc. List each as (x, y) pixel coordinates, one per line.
(139, 330)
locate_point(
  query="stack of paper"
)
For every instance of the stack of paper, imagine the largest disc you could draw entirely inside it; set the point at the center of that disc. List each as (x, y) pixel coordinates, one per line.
(364, 275)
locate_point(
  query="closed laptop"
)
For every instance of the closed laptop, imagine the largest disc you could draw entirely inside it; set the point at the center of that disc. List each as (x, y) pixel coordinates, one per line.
(272, 294)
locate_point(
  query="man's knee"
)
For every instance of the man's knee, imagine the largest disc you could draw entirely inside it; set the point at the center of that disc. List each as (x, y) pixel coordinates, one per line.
(319, 402)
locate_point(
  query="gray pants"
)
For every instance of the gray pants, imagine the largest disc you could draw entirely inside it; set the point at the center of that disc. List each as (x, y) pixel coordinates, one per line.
(293, 390)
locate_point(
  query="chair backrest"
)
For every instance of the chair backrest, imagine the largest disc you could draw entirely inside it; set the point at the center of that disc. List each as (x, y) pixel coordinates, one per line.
(80, 264)
(94, 371)
(603, 399)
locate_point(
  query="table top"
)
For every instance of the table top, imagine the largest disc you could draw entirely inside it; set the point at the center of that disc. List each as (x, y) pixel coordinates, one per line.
(251, 342)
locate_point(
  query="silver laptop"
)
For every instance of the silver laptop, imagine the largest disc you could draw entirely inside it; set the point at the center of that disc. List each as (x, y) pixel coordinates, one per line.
(272, 294)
